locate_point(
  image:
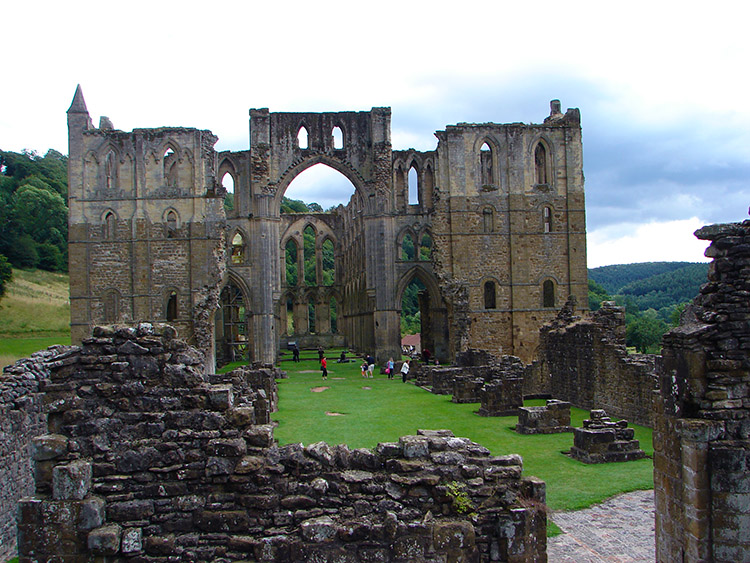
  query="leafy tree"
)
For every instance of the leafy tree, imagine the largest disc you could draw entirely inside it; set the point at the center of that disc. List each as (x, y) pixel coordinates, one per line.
(6, 274)
(597, 294)
(411, 322)
(645, 332)
(50, 257)
(229, 201)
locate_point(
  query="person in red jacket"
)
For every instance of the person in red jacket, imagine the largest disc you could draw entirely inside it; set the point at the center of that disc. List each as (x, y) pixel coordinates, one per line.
(324, 367)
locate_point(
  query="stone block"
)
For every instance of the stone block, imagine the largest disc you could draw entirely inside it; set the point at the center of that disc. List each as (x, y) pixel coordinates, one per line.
(105, 540)
(48, 447)
(71, 481)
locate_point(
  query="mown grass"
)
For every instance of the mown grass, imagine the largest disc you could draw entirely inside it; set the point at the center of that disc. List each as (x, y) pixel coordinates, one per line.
(34, 314)
(376, 410)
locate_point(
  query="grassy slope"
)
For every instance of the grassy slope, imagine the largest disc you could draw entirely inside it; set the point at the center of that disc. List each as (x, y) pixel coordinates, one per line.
(390, 409)
(34, 314)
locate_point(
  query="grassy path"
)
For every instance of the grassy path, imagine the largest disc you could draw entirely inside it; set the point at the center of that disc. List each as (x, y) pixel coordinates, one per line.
(364, 412)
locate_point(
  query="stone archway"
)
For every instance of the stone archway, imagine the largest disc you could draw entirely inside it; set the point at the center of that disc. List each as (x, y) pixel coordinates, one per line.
(232, 333)
(433, 311)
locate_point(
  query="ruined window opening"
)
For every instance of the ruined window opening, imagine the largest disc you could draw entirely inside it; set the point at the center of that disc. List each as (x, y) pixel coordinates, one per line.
(292, 275)
(329, 265)
(488, 220)
(548, 293)
(425, 247)
(413, 186)
(338, 138)
(321, 187)
(170, 168)
(411, 312)
(407, 248)
(111, 306)
(485, 165)
(238, 249)
(401, 188)
(227, 181)
(429, 184)
(289, 317)
(109, 169)
(333, 309)
(171, 224)
(489, 295)
(311, 318)
(311, 277)
(235, 345)
(302, 138)
(172, 306)
(547, 219)
(110, 226)
(540, 163)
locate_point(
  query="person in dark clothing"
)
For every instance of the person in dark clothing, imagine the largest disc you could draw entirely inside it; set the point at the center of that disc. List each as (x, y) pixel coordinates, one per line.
(295, 353)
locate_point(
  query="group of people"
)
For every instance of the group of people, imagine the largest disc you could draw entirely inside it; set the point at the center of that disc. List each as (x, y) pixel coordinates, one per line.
(368, 365)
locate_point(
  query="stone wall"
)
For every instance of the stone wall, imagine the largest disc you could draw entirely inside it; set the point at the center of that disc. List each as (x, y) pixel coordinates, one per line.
(22, 418)
(702, 428)
(148, 459)
(584, 361)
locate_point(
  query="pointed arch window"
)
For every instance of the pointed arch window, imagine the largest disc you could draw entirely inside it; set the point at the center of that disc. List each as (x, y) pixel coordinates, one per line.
(338, 138)
(170, 168)
(540, 164)
(311, 318)
(489, 295)
(413, 186)
(303, 141)
(547, 219)
(238, 249)
(172, 306)
(548, 293)
(292, 270)
(110, 170)
(310, 270)
(227, 181)
(171, 224)
(488, 220)
(333, 309)
(329, 265)
(425, 247)
(487, 173)
(407, 247)
(110, 226)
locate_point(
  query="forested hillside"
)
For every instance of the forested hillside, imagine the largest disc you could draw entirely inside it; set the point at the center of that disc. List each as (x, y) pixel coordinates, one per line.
(653, 294)
(33, 210)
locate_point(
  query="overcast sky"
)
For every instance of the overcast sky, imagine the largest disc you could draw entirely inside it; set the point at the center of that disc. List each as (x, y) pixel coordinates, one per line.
(661, 86)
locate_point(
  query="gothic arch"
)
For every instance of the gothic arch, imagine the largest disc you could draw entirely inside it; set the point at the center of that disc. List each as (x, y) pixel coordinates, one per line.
(425, 277)
(548, 165)
(488, 166)
(237, 250)
(342, 166)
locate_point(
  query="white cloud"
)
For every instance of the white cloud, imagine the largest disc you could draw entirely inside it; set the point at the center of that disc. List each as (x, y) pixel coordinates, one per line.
(667, 241)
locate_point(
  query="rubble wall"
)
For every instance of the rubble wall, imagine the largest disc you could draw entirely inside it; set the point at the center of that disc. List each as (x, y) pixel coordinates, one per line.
(702, 429)
(584, 361)
(148, 458)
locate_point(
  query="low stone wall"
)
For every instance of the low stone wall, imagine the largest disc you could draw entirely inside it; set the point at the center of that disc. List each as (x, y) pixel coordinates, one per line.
(22, 418)
(585, 362)
(149, 460)
(603, 441)
(501, 397)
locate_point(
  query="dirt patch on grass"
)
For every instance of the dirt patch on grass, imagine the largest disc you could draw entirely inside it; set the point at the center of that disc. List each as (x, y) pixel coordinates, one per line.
(319, 389)
(365, 387)
(334, 413)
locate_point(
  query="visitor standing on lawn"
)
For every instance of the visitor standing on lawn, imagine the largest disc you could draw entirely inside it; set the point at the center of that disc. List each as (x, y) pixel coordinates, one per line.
(404, 370)
(324, 367)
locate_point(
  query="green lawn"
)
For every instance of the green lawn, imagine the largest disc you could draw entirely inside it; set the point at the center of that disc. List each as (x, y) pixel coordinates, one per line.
(381, 410)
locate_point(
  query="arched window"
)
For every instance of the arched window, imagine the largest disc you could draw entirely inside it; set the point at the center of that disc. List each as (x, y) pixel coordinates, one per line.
(292, 275)
(110, 226)
(489, 295)
(238, 249)
(540, 163)
(110, 170)
(289, 316)
(413, 186)
(170, 168)
(172, 306)
(227, 180)
(425, 247)
(338, 138)
(548, 294)
(488, 220)
(329, 267)
(407, 248)
(487, 174)
(401, 188)
(547, 219)
(428, 187)
(311, 276)
(302, 138)
(111, 306)
(171, 224)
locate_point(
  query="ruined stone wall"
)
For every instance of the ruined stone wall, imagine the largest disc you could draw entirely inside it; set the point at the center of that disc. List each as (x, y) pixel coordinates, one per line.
(22, 418)
(149, 459)
(702, 428)
(584, 361)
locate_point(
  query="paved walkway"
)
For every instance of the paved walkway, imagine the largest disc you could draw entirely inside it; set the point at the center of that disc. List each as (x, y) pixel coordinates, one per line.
(620, 530)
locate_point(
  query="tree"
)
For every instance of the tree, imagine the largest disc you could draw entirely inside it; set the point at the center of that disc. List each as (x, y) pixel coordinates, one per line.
(6, 274)
(597, 294)
(645, 332)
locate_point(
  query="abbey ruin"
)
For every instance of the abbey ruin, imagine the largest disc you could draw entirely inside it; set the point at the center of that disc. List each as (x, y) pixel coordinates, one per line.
(498, 225)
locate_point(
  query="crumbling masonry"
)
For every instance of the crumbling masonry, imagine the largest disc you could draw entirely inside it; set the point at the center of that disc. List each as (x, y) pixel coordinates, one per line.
(498, 225)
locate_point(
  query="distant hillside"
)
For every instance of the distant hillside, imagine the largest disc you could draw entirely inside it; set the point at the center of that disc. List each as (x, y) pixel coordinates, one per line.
(652, 285)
